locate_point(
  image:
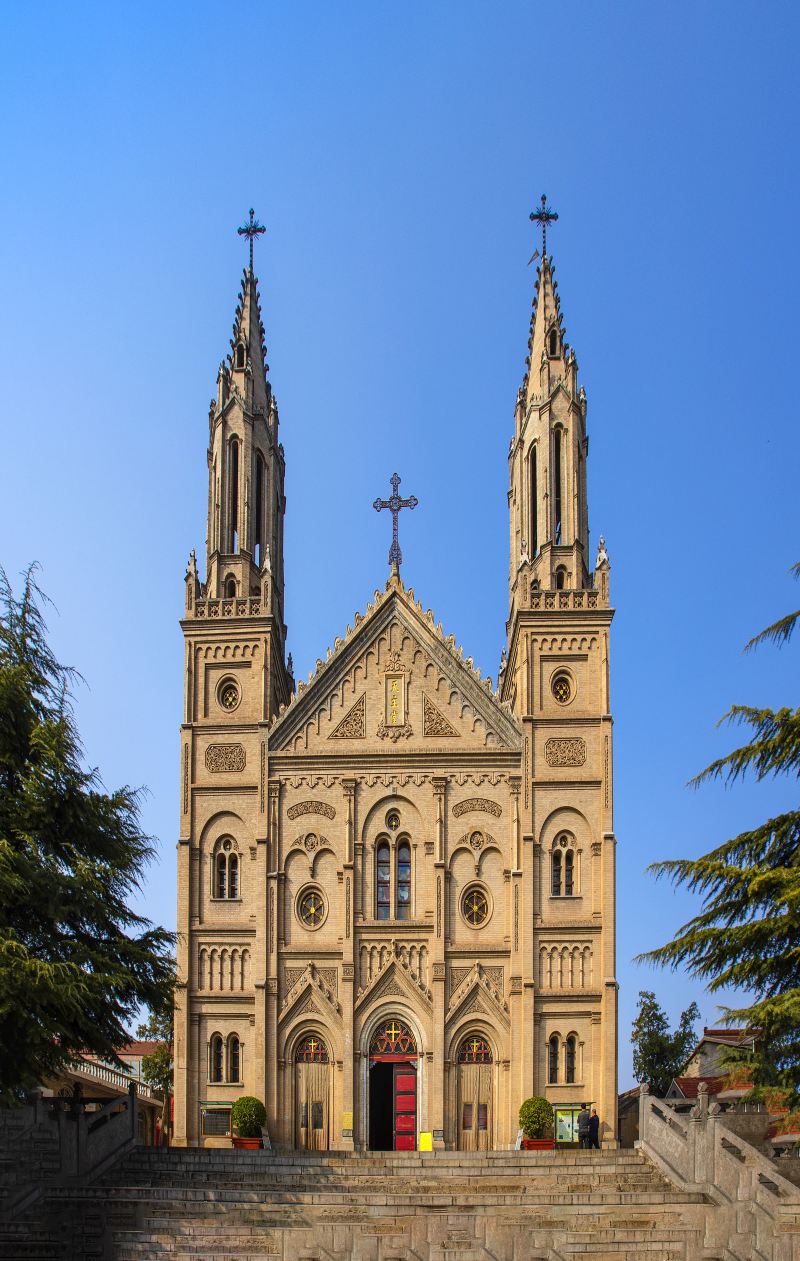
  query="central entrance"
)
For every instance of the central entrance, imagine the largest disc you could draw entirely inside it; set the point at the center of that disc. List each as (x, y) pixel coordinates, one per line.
(393, 1088)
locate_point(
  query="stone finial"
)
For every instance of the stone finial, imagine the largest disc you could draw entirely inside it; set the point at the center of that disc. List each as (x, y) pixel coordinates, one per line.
(524, 558)
(289, 665)
(268, 560)
(602, 554)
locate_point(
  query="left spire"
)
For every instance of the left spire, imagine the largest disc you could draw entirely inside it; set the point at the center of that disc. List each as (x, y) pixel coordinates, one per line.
(251, 230)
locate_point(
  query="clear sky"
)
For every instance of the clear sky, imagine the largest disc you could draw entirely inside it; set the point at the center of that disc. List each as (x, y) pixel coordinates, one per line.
(395, 152)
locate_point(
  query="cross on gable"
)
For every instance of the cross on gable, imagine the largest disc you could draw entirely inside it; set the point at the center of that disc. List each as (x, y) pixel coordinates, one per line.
(394, 503)
(543, 216)
(251, 230)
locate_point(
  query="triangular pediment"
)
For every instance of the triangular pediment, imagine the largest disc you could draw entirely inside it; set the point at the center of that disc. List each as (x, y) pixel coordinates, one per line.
(395, 682)
(395, 980)
(477, 993)
(309, 993)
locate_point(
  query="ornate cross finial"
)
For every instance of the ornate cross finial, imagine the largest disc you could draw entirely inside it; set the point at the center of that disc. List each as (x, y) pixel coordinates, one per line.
(544, 216)
(394, 503)
(251, 230)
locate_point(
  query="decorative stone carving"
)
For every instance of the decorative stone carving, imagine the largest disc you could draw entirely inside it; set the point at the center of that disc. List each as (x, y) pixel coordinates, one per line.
(394, 733)
(495, 975)
(348, 971)
(565, 751)
(434, 723)
(225, 757)
(311, 807)
(329, 977)
(439, 970)
(393, 664)
(354, 724)
(477, 803)
(291, 976)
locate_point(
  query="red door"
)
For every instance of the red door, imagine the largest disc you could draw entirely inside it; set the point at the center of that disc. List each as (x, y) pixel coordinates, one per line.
(405, 1108)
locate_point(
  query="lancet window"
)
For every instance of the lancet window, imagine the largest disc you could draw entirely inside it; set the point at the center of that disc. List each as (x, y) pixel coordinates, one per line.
(563, 868)
(226, 870)
(552, 1058)
(557, 480)
(233, 494)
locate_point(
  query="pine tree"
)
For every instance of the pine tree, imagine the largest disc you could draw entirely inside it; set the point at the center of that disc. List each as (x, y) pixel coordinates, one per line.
(76, 963)
(658, 1055)
(158, 1068)
(747, 934)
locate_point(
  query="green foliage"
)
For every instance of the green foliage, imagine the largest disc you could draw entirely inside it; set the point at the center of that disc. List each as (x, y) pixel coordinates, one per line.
(158, 1068)
(76, 963)
(536, 1117)
(658, 1055)
(248, 1114)
(748, 931)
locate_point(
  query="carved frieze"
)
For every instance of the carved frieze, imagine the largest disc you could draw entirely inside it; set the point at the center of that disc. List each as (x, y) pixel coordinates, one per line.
(477, 803)
(565, 751)
(354, 724)
(225, 757)
(434, 723)
(311, 807)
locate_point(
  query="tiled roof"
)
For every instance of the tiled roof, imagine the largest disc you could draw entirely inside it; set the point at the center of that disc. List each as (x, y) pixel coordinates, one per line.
(688, 1086)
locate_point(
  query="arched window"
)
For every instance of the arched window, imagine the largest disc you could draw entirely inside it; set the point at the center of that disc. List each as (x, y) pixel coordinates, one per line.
(234, 1058)
(226, 870)
(221, 890)
(572, 1045)
(404, 880)
(392, 1037)
(383, 877)
(233, 875)
(474, 1050)
(216, 1060)
(534, 505)
(552, 1058)
(233, 497)
(311, 1050)
(230, 589)
(557, 485)
(561, 578)
(240, 355)
(569, 874)
(553, 341)
(555, 886)
(258, 543)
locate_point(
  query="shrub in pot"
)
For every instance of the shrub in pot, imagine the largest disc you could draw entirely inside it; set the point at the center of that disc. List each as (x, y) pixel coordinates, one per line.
(536, 1122)
(248, 1114)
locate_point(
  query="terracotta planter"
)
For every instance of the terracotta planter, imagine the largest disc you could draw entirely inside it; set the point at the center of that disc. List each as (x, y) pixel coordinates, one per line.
(247, 1144)
(538, 1144)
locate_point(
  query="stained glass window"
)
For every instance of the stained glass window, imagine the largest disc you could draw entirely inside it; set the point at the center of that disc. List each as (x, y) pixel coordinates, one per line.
(392, 1038)
(474, 1050)
(403, 881)
(312, 1050)
(311, 908)
(475, 906)
(562, 688)
(383, 874)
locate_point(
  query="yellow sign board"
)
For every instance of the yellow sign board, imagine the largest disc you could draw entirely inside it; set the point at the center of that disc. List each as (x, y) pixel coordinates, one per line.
(426, 1141)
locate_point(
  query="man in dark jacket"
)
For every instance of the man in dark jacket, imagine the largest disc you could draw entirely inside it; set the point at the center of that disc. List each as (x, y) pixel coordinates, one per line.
(594, 1129)
(583, 1126)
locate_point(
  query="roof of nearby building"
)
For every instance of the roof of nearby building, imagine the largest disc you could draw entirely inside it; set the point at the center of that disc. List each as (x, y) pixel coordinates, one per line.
(138, 1048)
(689, 1086)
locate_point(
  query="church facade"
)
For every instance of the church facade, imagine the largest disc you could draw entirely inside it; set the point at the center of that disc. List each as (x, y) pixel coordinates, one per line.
(396, 898)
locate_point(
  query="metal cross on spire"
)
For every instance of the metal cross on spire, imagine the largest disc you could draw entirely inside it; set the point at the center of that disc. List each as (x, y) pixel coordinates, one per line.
(544, 216)
(394, 503)
(251, 230)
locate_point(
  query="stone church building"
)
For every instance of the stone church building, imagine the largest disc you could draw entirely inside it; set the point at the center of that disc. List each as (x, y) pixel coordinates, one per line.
(396, 898)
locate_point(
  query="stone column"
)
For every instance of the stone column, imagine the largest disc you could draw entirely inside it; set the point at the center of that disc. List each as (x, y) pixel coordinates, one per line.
(436, 1095)
(273, 913)
(347, 978)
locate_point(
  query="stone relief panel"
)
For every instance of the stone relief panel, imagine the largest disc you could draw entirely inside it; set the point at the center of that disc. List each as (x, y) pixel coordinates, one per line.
(225, 757)
(434, 723)
(354, 724)
(481, 804)
(565, 751)
(311, 807)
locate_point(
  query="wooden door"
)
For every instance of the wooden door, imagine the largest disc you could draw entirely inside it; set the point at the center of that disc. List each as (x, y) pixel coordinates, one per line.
(313, 1088)
(405, 1108)
(474, 1107)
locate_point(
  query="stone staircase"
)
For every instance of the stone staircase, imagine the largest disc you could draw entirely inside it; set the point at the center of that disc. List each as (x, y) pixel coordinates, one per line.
(200, 1205)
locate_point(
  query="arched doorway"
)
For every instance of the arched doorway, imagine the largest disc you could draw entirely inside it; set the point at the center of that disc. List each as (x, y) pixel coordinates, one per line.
(312, 1093)
(393, 1088)
(475, 1070)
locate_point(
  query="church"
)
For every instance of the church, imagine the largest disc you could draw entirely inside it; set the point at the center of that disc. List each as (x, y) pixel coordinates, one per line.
(396, 882)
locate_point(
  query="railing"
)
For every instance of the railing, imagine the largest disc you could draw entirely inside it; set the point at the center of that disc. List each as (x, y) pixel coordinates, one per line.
(757, 1213)
(114, 1077)
(250, 607)
(567, 600)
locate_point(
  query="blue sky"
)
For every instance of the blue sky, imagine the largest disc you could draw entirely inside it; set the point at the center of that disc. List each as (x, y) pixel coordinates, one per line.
(395, 153)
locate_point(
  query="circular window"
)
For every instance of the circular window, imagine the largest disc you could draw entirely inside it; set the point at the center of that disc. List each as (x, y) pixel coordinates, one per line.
(228, 694)
(475, 906)
(393, 820)
(311, 908)
(562, 688)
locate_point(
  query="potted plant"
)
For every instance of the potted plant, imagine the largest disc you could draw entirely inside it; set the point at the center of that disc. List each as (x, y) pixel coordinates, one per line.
(536, 1122)
(248, 1114)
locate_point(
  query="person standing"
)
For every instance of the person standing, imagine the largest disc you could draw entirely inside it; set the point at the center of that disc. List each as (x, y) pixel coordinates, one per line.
(583, 1126)
(594, 1129)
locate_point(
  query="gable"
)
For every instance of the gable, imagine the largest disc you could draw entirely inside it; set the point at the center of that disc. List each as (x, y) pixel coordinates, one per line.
(394, 682)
